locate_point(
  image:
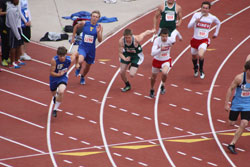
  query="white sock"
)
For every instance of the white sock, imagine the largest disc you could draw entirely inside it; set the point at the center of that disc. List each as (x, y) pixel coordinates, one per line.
(57, 105)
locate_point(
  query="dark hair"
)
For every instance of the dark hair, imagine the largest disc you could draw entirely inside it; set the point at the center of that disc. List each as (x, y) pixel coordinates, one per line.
(97, 12)
(247, 65)
(206, 3)
(61, 51)
(164, 31)
(127, 32)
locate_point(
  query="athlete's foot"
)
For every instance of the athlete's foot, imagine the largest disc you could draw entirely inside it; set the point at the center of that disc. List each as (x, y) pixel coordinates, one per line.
(126, 88)
(152, 93)
(54, 113)
(163, 90)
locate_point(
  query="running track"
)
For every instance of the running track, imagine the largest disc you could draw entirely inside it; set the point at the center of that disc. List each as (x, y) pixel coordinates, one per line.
(100, 126)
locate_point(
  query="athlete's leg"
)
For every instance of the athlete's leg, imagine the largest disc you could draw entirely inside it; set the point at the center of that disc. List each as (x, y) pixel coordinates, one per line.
(60, 92)
(86, 69)
(133, 71)
(165, 69)
(123, 69)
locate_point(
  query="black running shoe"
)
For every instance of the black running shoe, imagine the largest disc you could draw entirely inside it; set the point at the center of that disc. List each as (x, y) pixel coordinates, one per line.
(152, 93)
(231, 148)
(126, 88)
(54, 113)
(163, 90)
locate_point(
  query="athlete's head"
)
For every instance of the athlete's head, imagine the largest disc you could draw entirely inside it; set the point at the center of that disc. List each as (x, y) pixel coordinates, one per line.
(61, 52)
(205, 7)
(247, 65)
(15, 2)
(128, 35)
(95, 16)
(164, 34)
(170, 1)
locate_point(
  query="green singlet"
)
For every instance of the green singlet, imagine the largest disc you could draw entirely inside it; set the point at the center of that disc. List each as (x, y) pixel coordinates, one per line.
(168, 18)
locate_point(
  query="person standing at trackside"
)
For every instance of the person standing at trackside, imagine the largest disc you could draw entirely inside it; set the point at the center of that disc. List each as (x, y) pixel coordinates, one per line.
(162, 60)
(4, 34)
(26, 28)
(86, 51)
(130, 53)
(13, 22)
(202, 22)
(171, 18)
(59, 76)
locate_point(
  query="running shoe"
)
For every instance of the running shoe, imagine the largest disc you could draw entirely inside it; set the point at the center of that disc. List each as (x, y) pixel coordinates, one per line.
(4, 63)
(231, 148)
(54, 99)
(82, 80)
(25, 57)
(77, 72)
(152, 93)
(20, 63)
(14, 65)
(202, 75)
(126, 88)
(163, 90)
(54, 113)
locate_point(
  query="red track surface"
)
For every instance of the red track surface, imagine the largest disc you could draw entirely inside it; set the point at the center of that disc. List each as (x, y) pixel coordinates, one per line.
(128, 118)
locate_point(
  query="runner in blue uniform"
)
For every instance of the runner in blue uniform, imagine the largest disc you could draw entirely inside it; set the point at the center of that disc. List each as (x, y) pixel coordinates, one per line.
(240, 103)
(90, 32)
(59, 76)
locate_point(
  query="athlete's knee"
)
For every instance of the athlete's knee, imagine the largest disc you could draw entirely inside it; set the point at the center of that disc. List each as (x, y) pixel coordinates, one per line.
(244, 123)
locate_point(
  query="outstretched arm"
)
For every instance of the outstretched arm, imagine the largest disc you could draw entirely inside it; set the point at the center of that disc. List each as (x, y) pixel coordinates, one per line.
(141, 36)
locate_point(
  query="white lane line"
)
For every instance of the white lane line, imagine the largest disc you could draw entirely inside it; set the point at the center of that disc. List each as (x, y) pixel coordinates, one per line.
(20, 144)
(174, 85)
(73, 138)
(211, 90)
(70, 92)
(83, 96)
(198, 113)
(164, 124)
(114, 129)
(124, 110)
(191, 133)
(126, 133)
(173, 105)
(112, 106)
(61, 134)
(33, 124)
(179, 129)
(140, 138)
(210, 163)
(93, 122)
(69, 162)
(221, 121)
(102, 82)
(143, 164)
(182, 153)
(84, 142)
(136, 93)
(216, 98)
(147, 118)
(141, 75)
(25, 77)
(130, 159)
(198, 159)
(135, 114)
(80, 117)
(240, 149)
(185, 109)
(1, 163)
(69, 113)
(186, 89)
(118, 155)
(199, 93)
(91, 78)
(113, 66)
(14, 94)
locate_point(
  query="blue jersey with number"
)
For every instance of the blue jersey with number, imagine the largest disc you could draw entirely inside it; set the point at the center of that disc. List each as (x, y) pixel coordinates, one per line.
(241, 99)
(89, 35)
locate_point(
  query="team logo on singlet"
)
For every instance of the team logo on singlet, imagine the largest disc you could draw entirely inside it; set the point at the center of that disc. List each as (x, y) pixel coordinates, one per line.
(203, 25)
(91, 28)
(130, 50)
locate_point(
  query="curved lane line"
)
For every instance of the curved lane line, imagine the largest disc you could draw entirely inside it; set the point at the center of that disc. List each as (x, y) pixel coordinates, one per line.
(209, 101)
(158, 91)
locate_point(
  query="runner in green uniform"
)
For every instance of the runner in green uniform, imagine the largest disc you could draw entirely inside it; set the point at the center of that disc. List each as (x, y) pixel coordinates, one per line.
(130, 53)
(171, 18)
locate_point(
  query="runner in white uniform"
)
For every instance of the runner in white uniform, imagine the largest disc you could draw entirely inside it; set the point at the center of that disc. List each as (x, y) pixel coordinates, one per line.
(162, 60)
(202, 23)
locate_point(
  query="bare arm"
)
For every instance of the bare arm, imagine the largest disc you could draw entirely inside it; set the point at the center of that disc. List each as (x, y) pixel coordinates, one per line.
(141, 36)
(53, 68)
(218, 23)
(248, 58)
(237, 80)
(78, 25)
(156, 16)
(99, 33)
(121, 47)
(179, 15)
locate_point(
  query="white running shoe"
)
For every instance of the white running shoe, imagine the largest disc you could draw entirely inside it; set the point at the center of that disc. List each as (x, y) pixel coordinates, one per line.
(25, 57)
(202, 75)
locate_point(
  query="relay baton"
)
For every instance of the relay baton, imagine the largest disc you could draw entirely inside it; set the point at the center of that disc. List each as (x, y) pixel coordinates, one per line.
(25, 37)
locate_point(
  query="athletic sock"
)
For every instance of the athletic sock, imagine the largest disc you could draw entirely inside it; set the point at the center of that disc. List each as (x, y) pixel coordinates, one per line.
(127, 83)
(201, 62)
(57, 105)
(195, 63)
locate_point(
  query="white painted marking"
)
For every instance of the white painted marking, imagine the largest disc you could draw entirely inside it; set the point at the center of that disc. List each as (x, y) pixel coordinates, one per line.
(130, 159)
(197, 158)
(210, 163)
(135, 114)
(70, 92)
(185, 109)
(73, 138)
(119, 155)
(140, 138)
(19, 119)
(83, 96)
(216, 98)
(173, 105)
(186, 89)
(174, 85)
(147, 118)
(221, 121)
(198, 113)
(178, 128)
(91, 121)
(113, 66)
(61, 134)
(240, 149)
(20, 144)
(136, 93)
(191, 133)
(125, 133)
(112, 106)
(114, 129)
(182, 153)
(91, 78)
(141, 75)
(1, 163)
(165, 124)
(124, 110)
(199, 93)
(69, 113)
(143, 164)
(34, 101)
(103, 82)
(84, 142)
(80, 117)
(69, 162)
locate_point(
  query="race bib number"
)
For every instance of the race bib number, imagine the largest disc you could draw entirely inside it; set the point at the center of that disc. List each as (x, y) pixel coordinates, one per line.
(202, 33)
(170, 16)
(88, 38)
(245, 93)
(26, 13)
(164, 54)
